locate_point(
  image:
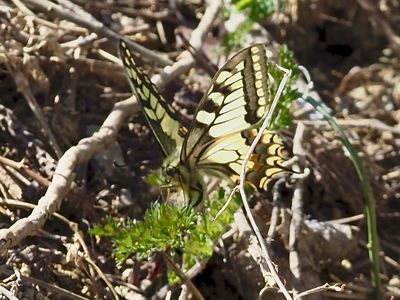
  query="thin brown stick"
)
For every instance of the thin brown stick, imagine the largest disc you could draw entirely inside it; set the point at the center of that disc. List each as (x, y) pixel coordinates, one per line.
(132, 12)
(21, 6)
(84, 19)
(23, 86)
(20, 166)
(186, 60)
(171, 264)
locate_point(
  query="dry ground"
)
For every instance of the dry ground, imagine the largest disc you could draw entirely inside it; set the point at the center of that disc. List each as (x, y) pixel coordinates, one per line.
(59, 84)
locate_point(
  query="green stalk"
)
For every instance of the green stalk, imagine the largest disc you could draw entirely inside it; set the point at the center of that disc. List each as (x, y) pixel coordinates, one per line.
(373, 240)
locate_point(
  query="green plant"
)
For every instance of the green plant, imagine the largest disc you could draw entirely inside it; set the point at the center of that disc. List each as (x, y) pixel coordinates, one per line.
(170, 227)
(290, 93)
(257, 11)
(164, 226)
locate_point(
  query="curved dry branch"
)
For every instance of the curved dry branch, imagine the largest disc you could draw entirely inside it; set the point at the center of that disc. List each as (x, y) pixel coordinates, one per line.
(64, 175)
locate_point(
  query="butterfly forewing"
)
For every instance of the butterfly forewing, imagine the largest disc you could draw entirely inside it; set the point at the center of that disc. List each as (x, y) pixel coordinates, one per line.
(160, 115)
(236, 100)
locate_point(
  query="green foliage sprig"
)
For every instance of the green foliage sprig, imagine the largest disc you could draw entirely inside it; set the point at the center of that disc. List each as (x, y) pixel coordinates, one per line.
(290, 93)
(172, 227)
(164, 226)
(259, 10)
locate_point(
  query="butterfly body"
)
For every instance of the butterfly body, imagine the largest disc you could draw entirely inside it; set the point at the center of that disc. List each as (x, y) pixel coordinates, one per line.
(223, 128)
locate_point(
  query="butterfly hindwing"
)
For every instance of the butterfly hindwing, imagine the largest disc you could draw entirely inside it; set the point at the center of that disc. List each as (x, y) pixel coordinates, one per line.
(226, 155)
(160, 115)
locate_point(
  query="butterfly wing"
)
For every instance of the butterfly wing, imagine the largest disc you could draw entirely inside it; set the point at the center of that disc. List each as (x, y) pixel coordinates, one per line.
(224, 125)
(236, 100)
(226, 155)
(160, 115)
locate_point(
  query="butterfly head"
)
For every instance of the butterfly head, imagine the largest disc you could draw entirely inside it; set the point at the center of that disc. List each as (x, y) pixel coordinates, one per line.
(179, 175)
(171, 171)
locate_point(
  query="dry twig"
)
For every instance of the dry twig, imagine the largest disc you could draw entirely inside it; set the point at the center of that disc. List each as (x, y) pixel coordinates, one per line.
(266, 122)
(84, 19)
(65, 174)
(23, 86)
(297, 218)
(25, 170)
(186, 60)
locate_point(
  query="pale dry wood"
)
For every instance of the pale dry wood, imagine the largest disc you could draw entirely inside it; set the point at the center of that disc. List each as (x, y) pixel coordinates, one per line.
(6, 293)
(65, 174)
(276, 210)
(325, 287)
(297, 219)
